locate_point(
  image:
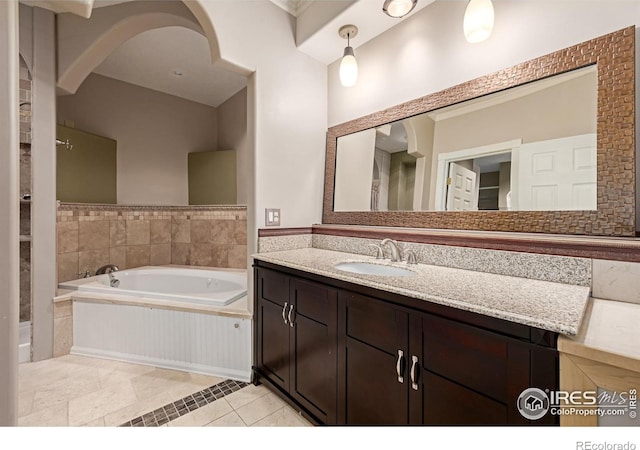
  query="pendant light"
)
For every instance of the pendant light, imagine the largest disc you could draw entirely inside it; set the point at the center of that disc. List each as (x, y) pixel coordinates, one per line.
(478, 20)
(398, 8)
(348, 65)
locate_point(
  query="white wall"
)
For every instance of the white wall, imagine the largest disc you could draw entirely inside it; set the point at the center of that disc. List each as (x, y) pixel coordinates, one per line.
(155, 132)
(427, 52)
(290, 107)
(354, 171)
(233, 135)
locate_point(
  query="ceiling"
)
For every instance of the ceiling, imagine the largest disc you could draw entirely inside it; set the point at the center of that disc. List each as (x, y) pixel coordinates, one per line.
(154, 58)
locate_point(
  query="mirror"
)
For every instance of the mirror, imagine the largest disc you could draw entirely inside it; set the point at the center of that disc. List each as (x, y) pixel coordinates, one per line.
(531, 148)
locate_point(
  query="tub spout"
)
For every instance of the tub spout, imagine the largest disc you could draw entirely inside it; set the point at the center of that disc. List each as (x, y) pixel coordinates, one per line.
(107, 269)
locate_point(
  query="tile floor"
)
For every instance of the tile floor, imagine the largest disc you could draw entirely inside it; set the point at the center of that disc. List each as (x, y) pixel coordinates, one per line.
(81, 391)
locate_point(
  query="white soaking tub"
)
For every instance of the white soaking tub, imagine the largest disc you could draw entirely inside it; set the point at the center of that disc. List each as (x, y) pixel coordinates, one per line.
(205, 287)
(166, 317)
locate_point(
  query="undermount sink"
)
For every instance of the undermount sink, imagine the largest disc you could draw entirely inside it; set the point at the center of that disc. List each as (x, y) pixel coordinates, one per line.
(367, 268)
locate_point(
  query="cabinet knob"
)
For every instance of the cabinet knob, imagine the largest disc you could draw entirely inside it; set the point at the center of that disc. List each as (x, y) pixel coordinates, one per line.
(284, 313)
(400, 366)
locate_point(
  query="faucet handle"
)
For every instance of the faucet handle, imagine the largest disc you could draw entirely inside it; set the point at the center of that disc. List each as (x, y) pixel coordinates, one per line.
(379, 251)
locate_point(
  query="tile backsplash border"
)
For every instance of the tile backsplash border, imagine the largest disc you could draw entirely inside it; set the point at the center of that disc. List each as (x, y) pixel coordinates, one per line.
(128, 236)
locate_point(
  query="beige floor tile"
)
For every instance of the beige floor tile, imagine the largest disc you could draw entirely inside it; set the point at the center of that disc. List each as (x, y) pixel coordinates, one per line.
(64, 390)
(284, 417)
(229, 420)
(204, 415)
(259, 408)
(99, 422)
(148, 387)
(56, 416)
(246, 395)
(137, 409)
(204, 380)
(100, 403)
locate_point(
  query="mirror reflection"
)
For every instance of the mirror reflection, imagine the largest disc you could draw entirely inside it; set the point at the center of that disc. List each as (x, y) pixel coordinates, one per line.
(532, 147)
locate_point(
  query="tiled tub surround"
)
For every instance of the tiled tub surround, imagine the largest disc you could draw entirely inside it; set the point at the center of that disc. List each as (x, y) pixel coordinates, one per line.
(550, 306)
(90, 236)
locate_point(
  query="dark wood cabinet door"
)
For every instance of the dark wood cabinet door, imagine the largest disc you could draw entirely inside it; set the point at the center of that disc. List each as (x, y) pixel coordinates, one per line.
(272, 332)
(371, 335)
(314, 348)
(273, 343)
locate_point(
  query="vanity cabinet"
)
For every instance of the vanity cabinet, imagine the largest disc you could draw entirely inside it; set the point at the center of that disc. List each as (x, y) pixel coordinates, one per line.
(386, 359)
(295, 340)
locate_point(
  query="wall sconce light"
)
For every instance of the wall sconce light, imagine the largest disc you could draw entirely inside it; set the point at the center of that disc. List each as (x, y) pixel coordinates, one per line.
(398, 8)
(478, 20)
(348, 65)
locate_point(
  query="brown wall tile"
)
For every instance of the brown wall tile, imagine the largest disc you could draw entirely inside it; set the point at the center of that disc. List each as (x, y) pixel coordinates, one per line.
(118, 256)
(138, 256)
(62, 336)
(221, 231)
(160, 254)
(67, 237)
(92, 260)
(93, 235)
(201, 231)
(237, 257)
(201, 255)
(180, 253)
(62, 309)
(138, 232)
(160, 231)
(118, 233)
(180, 231)
(67, 267)
(239, 235)
(220, 255)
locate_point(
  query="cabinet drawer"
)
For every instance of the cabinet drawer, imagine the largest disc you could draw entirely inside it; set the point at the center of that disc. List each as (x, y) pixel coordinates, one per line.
(312, 300)
(273, 286)
(468, 356)
(375, 322)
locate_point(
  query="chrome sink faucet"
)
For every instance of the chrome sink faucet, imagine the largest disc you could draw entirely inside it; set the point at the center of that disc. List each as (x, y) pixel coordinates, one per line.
(395, 250)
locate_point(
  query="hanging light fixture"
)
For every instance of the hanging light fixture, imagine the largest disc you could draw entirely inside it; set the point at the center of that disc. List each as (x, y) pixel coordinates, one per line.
(398, 8)
(348, 65)
(478, 20)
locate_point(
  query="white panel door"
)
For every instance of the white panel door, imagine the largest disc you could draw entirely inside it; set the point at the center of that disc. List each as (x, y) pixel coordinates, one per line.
(558, 174)
(461, 194)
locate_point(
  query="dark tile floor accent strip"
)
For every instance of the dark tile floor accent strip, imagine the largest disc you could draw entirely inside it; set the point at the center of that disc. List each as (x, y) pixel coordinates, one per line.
(185, 405)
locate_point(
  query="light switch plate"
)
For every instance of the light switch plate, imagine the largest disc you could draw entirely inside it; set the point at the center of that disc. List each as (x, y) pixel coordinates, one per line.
(272, 217)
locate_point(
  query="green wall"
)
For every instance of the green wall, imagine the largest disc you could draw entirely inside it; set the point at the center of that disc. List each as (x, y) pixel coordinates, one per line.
(212, 178)
(87, 172)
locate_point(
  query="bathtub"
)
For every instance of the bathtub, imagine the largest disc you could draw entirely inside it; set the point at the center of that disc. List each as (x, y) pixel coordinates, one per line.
(199, 286)
(165, 317)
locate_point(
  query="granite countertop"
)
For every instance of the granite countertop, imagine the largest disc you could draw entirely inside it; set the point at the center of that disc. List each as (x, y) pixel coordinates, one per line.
(542, 304)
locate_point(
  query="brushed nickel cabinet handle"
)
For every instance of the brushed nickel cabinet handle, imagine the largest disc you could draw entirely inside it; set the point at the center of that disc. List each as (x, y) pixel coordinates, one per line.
(400, 366)
(284, 313)
(289, 317)
(414, 375)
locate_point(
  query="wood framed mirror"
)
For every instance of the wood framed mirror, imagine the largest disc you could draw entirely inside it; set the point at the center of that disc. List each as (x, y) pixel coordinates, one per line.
(609, 208)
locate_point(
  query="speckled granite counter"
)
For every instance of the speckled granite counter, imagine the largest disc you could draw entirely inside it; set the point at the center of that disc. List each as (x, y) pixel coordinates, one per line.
(542, 304)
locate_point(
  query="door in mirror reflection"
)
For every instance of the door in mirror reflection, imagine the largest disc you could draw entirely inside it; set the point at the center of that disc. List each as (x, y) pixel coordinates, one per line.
(528, 148)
